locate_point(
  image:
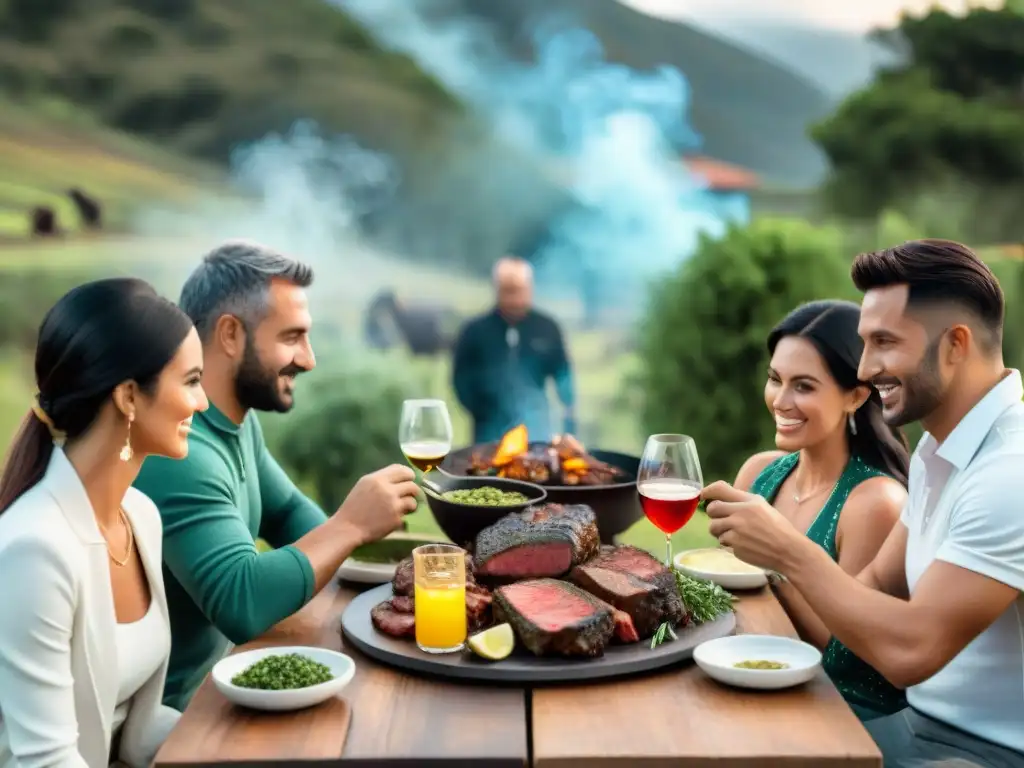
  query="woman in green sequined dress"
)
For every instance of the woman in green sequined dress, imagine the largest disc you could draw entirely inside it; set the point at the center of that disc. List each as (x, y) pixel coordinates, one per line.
(840, 472)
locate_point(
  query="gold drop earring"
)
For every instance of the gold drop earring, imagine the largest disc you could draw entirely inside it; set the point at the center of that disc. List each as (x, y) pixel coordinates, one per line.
(126, 450)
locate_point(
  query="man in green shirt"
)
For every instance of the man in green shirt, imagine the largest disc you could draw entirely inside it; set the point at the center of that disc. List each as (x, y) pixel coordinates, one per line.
(251, 310)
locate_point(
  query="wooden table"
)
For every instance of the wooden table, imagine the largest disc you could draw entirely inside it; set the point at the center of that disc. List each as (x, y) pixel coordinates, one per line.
(675, 718)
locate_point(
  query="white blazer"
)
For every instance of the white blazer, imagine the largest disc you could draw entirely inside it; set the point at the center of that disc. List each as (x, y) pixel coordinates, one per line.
(58, 658)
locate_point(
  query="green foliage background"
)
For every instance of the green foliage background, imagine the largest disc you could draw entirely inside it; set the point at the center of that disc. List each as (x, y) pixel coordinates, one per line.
(703, 344)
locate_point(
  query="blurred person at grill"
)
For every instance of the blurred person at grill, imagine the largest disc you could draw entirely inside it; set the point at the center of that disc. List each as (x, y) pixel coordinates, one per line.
(504, 358)
(250, 308)
(839, 474)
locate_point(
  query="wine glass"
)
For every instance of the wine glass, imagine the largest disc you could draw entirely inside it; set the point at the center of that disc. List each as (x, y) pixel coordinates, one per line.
(669, 483)
(425, 435)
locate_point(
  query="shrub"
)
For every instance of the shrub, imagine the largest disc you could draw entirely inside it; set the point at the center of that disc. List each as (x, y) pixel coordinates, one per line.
(344, 425)
(702, 348)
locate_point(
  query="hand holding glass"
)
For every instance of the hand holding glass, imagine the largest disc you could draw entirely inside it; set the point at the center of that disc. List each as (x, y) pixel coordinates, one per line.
(669, 483)
(440, 597)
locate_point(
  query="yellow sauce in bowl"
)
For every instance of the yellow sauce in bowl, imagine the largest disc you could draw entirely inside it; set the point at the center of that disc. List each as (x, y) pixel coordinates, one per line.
(761, 664)
(716, 561)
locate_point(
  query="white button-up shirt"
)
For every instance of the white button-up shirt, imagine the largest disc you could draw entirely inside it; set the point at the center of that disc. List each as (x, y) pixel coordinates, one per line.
(966, 507)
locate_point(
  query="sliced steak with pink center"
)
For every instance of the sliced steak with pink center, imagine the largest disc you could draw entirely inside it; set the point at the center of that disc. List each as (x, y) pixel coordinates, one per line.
(554, 618)
(546, 540)
(633, 581)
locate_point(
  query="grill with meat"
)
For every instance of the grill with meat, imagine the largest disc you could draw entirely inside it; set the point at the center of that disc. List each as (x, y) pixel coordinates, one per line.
(563, 461)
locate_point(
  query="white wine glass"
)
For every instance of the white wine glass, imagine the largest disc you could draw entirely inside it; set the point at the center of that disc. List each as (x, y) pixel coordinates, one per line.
(425, 435)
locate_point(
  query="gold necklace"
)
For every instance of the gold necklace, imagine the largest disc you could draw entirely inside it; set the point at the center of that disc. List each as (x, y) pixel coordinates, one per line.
(799, 498)
(131, 540)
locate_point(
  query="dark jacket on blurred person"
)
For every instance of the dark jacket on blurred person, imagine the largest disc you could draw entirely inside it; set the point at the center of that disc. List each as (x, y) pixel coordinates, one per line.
(500, 373)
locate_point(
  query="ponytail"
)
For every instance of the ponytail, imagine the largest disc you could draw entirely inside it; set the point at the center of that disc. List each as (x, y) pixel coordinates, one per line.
(880, 446)
(27, 459)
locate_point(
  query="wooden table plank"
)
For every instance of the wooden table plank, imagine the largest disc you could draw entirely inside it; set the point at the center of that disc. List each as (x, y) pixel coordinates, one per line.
(396, 719)
(683, 718)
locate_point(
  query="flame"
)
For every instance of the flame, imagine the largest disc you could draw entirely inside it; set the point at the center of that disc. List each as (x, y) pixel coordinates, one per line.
(515, 443)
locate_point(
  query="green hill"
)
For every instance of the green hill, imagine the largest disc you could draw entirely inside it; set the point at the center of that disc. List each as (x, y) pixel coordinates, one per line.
(749, 110)
(203, 75)
(54, 146)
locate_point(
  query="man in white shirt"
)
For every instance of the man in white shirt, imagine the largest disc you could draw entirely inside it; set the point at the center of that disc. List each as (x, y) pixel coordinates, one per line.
(940, 610)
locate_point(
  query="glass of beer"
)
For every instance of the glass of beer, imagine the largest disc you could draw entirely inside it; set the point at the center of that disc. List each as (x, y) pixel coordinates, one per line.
(440, 599)
(669, 483)
(425, 433)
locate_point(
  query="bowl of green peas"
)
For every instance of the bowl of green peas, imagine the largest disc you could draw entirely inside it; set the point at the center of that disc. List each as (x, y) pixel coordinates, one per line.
(285, 678)
(467, 505)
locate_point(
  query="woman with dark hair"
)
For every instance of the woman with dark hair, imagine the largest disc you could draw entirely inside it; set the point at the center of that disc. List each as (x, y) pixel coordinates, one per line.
(84, 633)
(840, 473)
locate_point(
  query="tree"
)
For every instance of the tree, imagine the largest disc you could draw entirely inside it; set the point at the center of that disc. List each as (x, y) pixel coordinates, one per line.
(703, 343)
(950, 115)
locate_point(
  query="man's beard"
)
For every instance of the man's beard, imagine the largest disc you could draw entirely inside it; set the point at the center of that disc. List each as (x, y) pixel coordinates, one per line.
(923, 391)
(256, 386)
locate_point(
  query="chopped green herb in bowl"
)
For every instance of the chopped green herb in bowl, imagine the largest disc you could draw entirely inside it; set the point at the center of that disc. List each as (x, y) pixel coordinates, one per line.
(284, 672)
(283, 678)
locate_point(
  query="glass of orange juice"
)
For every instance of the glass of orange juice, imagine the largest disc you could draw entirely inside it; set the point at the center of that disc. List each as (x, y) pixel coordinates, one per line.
(440, 601)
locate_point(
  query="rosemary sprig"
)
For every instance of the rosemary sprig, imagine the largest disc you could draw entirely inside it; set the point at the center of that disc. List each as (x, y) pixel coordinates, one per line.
(659, 635)
(704, 600)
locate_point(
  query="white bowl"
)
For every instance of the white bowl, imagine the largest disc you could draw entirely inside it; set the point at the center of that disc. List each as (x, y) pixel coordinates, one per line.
(341, 666)
(718, 657)
(752, 580)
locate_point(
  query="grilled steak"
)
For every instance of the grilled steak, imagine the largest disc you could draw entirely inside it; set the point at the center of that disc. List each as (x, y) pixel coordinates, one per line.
(554, 618)
(625, 631)
(544, 540)
(403, 604)
(633, 581)
(387, 619)
(404, 580)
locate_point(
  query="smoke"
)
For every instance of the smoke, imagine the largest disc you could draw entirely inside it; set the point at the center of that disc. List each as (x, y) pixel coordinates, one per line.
(580, 172)
(301, 193)
(614, 137)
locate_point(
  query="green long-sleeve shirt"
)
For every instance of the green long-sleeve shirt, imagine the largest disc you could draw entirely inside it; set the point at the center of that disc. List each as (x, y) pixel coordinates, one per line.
(215, 503)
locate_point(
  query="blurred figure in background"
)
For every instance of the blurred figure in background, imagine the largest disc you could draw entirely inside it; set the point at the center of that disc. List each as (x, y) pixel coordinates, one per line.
(504, 358)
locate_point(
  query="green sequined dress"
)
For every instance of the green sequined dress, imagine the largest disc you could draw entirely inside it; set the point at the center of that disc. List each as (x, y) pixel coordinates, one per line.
(864, 689)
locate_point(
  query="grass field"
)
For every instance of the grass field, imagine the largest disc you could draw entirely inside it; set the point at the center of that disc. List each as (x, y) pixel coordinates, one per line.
(53, 147)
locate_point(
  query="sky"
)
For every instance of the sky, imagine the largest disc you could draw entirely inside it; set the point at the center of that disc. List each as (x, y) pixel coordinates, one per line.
(851, 15)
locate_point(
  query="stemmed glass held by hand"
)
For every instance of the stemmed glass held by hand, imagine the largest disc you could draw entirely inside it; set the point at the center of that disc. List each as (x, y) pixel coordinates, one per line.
(669, 483)
(425, 434)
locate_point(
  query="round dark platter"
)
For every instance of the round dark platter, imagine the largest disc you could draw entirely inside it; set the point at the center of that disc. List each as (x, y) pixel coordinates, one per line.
(522, 666)
(615, 505)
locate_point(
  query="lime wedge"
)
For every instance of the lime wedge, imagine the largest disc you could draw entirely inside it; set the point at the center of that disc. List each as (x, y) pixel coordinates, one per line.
(495, 643)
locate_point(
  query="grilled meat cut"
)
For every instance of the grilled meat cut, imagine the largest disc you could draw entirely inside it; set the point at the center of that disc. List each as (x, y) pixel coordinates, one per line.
(544, 540)
(555, 618)
(633, 581)
(388, 619)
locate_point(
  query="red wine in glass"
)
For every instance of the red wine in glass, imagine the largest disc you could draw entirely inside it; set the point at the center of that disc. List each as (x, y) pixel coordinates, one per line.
(669, 483)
